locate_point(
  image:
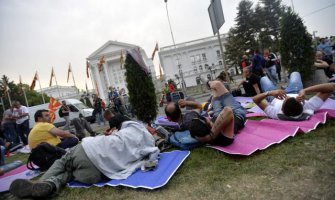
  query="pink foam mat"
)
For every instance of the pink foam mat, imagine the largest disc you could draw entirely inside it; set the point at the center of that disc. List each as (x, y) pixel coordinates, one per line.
(259, 135)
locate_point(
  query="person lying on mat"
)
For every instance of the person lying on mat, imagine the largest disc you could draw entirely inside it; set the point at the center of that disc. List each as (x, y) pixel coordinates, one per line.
(290, 104)
(113, 123)
(228, 117)
(115, 156)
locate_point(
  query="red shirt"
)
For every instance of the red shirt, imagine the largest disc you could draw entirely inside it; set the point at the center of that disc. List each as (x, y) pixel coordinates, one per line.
(172, 88)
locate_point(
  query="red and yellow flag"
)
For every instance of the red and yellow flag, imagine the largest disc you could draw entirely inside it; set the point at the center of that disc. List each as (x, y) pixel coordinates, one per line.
(53, 106)
(33, 84)
(161, 76)
(155, 50)
(87, 67)
(68, 72)
(52, 75)
(101, 63)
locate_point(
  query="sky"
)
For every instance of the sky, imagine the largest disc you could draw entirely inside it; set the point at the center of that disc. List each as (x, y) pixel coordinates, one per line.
(36, 35)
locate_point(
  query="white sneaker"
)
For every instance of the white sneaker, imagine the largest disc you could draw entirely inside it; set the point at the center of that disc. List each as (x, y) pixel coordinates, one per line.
(25, 150)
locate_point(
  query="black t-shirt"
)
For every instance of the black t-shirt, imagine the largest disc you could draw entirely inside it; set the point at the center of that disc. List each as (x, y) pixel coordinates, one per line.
(187, 119)
(65, 109)
(117, 121)
(254, 79)
(328, 73)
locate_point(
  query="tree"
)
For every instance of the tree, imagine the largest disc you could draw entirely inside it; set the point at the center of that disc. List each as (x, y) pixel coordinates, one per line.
(141, 89)
(296, 45)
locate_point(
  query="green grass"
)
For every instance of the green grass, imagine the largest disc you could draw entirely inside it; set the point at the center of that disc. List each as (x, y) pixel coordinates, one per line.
(302, 167)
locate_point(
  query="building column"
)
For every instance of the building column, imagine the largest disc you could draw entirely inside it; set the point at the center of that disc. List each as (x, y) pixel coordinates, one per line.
(98, 83)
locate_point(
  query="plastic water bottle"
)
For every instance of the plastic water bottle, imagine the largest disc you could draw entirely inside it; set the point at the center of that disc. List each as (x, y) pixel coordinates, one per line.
(10, 166)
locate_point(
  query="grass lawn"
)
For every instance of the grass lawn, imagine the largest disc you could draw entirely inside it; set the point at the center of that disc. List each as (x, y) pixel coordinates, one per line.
(300, 168)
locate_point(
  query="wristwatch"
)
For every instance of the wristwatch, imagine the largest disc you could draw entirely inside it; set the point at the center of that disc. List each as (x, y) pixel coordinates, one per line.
(266, 93)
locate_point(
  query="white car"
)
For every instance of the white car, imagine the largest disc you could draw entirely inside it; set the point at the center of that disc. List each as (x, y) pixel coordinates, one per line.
(76, 108)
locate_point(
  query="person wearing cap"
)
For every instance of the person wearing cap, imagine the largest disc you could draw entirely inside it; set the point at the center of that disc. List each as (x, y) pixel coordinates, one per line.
(290, 104)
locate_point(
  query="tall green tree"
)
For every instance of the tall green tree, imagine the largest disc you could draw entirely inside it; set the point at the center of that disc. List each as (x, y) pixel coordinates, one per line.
(141, 89)
(296, 45)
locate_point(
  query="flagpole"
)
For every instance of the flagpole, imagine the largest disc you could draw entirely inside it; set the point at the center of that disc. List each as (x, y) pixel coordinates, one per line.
(3, 105)
(24, 92)
(39, 83)
(56, 83)
(74, 82)
(10, 101)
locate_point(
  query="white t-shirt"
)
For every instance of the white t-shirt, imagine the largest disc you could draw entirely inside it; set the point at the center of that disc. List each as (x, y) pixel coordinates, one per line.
(275, 106)
(20, 111)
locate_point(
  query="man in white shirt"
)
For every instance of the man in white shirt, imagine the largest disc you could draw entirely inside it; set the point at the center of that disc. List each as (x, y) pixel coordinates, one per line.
(290, 104)
(21, 114)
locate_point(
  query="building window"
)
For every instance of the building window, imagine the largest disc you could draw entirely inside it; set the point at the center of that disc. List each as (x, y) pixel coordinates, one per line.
(198, 58)
(193, 59)
(218, 54)
(200, 68)
(220, 62)
(195, 69)
(206, 66)
(204, 58)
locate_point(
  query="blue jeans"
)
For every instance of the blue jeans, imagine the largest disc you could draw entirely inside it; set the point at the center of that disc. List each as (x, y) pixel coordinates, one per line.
(99, 118)
(68, 143)
(23, 131)
(227, 99)
(10, 132)
(293, 87)
(272, 73)
(2, 155)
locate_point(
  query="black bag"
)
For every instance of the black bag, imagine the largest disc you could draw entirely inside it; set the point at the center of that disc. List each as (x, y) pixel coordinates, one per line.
(60, 112)
(44, 155)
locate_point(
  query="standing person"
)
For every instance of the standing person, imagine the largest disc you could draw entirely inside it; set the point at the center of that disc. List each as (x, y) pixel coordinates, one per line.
(21, 114)
(326, 47)
(257, 64)
(278, 66)
(97, 112)
(270, 65)
(9, 125)
(172, 88)
(245, 62)
(64, 112)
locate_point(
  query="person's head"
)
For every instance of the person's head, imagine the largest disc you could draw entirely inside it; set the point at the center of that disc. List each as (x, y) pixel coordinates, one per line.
(42, 116)
(108, 115)
(16, 104)
(322, 40)
(292, 107)
(245, 57)
(319, 55)
(173, 111)
(256, 51)
(199, 127)
(117, 120)
(266, 52)
(247, 71)
(64, 102)
(110, 88)
(221, 77)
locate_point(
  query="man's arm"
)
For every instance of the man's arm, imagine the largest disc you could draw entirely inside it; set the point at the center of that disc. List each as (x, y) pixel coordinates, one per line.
(258, 91)
(61, 133)
(240, 84)
(323, 91)
(258, 99)
(195, 105)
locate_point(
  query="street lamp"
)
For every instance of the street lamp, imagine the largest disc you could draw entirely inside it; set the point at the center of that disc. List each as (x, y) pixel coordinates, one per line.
(175, 48)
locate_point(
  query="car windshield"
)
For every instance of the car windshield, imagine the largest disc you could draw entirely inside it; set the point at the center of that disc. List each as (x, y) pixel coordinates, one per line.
(80, 106)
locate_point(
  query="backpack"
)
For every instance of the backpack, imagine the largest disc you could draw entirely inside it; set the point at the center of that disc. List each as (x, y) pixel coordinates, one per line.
(183, 140)
(60, 112)
(44, 155)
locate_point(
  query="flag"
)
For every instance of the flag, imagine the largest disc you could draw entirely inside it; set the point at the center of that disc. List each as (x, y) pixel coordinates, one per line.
(87, 67)
(96, 86)
(52, 75)
(101, 63)
(153, 53)
(121, 59)
(21, 86)
(68, 72)
(53, 106)
(32, 86)
(161, 77)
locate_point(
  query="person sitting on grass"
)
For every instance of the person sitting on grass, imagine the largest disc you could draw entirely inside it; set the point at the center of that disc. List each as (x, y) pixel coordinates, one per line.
(115, 156)
(290, 104)
(251, 84)
(44, 131)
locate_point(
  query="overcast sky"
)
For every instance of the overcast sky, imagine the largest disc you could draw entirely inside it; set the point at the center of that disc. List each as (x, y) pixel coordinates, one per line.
(39, 34)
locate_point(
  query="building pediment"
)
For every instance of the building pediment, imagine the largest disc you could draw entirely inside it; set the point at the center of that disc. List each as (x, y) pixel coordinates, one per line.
(109, 48)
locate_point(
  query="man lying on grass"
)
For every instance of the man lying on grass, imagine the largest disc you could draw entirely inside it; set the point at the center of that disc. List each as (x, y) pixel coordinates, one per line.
(115, 156)
(228, 117)
(290, 104)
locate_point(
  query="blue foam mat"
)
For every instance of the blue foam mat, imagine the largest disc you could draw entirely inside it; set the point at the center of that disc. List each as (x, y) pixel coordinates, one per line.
(168, 164)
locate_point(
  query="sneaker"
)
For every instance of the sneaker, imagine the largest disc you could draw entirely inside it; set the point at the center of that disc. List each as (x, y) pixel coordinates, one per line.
(21, 188)
(43, 189)
(25, 149)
